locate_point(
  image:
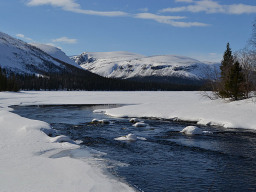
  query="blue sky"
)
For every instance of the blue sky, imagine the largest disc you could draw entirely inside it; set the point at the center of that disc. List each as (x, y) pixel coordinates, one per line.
(194, 28)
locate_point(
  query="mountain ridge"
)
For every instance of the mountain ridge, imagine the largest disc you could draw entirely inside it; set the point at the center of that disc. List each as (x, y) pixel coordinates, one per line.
(40, 66)
(126, 65)
(23, 58)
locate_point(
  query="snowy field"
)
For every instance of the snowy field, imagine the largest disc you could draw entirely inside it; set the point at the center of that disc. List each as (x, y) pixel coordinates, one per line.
(25, 163)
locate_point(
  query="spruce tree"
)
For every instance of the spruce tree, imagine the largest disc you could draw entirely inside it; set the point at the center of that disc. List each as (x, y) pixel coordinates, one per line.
(232, 78)
(236, 83)
(226, 65)
(227, 61)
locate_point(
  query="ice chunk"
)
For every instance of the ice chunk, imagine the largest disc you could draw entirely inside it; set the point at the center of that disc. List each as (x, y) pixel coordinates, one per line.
(129, 137)
(192, 130)
(140, 124)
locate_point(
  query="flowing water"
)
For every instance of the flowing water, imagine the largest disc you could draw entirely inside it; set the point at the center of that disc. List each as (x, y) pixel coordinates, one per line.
(223, 160)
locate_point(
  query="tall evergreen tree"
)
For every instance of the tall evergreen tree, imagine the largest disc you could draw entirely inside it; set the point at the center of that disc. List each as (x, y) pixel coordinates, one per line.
(227, 62)
(236, 82)
(226, 65)
(232, 77)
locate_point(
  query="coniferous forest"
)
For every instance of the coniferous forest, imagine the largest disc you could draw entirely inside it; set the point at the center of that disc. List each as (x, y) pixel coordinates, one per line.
(8, 82)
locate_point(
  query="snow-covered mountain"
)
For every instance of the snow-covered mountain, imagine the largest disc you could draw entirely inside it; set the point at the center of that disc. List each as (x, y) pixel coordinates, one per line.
(55, 53)
(127, 65)
(21, 57)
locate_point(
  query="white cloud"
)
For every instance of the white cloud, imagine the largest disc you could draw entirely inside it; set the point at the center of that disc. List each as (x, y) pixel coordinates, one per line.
(51, 44)
(23, 37)
(187, 24)
(170, 20)
(65, 4)
(159, 18)
(101, 13)
(65, 40)
(20, 35)
(210, 6)
(241, 9)
(71, 5)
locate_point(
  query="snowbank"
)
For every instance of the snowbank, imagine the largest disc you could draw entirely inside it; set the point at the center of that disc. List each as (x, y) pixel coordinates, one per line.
(26, 162)
(32, 161)
(186, 106)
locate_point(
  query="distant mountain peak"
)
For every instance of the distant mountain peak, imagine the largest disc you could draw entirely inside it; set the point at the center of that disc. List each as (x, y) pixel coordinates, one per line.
(127, 65)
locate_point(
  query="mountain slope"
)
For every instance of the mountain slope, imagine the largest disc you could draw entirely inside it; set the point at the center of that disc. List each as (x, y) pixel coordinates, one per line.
(133, 66)
(21, 57)
(55, 53)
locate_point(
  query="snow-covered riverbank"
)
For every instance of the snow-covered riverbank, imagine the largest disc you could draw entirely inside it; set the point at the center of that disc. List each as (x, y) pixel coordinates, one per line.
(25, 163)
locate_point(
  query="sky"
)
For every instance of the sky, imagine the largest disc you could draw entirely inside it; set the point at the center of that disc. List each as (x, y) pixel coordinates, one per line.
(195, 28)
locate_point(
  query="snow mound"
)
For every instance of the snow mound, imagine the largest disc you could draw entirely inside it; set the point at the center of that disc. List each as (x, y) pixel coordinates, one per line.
(129, 137)
(192, 130)
(55, 53)
(140, 124)
(62, 139)
(102, 121)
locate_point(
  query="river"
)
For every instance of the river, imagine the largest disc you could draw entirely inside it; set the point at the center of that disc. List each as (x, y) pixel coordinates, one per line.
(222, 160)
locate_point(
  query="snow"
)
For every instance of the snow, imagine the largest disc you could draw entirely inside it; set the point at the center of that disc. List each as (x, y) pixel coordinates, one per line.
(61, 139)
(129, 137)
(21, 57)
(191, 130)
(55, 53)
(130, 65)
(140, 124)
(102, 121)
(185, 106)
(32, 161)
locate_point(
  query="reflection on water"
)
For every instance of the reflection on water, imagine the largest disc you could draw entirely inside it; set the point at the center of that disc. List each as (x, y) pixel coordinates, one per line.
(167, 160)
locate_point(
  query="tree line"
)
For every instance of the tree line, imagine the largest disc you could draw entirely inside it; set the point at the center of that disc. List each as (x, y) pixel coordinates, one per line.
(72, 78)
(7, 82)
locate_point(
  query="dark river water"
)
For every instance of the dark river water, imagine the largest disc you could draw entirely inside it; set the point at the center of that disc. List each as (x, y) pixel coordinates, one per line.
(168, 160)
